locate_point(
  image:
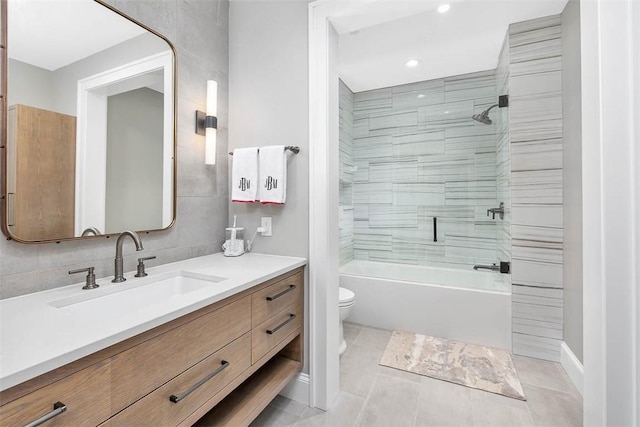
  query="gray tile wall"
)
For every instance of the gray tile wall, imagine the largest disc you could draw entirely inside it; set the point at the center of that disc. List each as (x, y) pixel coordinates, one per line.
(199, 31)
(417, 154)
(346, 174)
(535, 127)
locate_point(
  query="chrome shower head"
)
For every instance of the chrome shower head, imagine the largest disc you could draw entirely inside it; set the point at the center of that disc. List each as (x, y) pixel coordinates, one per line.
(484, 116)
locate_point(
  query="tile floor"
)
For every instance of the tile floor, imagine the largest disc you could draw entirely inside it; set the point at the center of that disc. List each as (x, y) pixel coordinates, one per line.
(373, 395)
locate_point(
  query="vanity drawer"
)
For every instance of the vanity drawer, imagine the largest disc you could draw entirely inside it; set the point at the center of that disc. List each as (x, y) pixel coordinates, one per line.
(214, 373)
(273, 299)
(145, 367)
(271, 332)
(85, 395)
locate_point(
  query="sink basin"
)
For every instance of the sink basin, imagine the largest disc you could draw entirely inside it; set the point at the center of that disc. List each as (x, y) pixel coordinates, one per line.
(133, 297)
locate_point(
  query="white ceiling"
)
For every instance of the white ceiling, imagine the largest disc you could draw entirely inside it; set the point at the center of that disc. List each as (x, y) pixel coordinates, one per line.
(53, 33)
(377, 37)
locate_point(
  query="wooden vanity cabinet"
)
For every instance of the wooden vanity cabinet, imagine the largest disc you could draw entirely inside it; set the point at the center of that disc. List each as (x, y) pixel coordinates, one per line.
(234, 356)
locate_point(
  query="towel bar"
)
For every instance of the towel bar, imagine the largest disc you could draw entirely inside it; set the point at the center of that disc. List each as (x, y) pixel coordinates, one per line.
(294, 148)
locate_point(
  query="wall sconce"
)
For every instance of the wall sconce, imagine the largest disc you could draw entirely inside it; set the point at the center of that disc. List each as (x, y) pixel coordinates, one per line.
(207, 123)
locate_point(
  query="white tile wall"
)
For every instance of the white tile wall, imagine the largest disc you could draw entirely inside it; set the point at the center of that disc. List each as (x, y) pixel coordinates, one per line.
(535, 129)
(417, 154)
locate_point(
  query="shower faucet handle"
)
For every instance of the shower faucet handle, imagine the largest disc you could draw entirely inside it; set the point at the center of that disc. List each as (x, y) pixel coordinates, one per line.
(495, 211)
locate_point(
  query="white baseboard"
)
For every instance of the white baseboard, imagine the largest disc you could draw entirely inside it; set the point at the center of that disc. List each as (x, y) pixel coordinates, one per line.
(298, 389)
(572, 365)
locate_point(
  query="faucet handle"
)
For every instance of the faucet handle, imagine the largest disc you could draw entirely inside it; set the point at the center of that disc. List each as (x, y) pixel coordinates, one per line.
(141, 272)
(90, 282)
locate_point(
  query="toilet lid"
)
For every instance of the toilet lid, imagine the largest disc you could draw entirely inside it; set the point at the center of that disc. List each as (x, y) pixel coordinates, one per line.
(346, 296)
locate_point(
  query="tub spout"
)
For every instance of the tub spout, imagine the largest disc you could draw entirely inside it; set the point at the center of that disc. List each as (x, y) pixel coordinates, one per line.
(504, 267)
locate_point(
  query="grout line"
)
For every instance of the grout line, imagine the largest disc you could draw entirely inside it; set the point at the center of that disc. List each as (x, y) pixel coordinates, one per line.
(415, 418)
(366, 402)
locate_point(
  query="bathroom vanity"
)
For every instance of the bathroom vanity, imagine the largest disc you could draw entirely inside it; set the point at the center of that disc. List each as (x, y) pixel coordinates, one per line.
(228, 334)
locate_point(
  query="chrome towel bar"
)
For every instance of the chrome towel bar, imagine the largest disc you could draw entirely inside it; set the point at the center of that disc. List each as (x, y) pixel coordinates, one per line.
(293, 148)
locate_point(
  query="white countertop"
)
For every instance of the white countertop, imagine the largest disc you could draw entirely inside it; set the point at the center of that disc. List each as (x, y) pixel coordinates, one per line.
(36, 336)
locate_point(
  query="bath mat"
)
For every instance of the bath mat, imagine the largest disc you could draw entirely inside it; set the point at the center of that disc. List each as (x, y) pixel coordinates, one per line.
(474, 366)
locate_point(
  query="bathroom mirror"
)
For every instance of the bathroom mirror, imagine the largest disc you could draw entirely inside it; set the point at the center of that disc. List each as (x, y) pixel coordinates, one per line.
(88, 129)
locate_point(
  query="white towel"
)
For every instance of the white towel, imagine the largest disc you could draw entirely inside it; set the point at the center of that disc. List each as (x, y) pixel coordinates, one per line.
(273, 174)
(244, 175)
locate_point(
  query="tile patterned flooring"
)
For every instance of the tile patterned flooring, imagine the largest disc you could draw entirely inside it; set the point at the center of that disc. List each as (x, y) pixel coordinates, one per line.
(373, 395)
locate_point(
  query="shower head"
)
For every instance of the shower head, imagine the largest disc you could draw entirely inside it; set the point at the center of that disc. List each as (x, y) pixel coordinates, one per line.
(484, 116)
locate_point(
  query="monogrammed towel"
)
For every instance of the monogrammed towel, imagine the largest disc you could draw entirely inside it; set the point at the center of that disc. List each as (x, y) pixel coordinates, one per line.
(244, 175)
(273, 174)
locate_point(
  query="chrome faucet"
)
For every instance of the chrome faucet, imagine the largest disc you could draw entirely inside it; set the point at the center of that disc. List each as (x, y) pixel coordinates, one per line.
(119, 275)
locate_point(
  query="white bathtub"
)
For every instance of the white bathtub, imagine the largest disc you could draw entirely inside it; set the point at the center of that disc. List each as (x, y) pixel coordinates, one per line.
(469, 306)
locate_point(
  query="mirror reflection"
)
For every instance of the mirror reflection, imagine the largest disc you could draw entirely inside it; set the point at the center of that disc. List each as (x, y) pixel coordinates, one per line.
(90, 125)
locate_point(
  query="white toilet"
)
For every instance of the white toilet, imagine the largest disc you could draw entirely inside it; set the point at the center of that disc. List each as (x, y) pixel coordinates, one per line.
(347, 300)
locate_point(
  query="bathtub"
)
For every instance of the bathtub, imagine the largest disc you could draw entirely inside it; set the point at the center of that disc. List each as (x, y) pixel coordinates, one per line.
(463, 305)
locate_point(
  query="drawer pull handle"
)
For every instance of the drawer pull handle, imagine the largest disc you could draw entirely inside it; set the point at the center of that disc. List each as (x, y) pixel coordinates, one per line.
(274, 330)
(278, 295)
(58, 408)
(175, 399)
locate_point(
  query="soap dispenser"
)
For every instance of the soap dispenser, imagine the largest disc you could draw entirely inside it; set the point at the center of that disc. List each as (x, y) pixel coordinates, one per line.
(234, 240)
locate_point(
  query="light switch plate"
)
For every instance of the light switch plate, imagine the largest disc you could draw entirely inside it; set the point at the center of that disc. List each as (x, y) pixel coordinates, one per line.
(265, 222)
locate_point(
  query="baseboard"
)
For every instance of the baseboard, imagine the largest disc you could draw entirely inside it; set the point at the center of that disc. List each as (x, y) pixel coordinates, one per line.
(298, 389)
(572, 365)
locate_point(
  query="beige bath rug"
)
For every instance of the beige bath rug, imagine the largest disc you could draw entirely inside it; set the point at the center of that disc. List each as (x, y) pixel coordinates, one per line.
(475, 366)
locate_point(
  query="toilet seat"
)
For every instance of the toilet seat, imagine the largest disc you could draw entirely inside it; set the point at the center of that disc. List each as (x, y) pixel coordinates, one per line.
(346, 297)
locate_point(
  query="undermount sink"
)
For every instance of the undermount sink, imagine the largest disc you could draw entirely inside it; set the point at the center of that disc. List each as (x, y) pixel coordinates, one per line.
(132, 296)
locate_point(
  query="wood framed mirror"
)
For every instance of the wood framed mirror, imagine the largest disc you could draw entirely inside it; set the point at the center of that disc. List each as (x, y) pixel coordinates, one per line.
(88, 135)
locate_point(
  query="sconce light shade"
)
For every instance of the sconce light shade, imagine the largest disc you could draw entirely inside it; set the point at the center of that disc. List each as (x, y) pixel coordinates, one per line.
(207, 123)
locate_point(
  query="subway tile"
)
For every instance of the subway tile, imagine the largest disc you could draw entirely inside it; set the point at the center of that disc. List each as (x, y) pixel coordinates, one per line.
(412, 194)
(538, 347)
(544, 313)
(418, 143)
(532, 84)
(538, 254)
(536, 273)
(372, 193)
(447, 114)
(471, 144)
(372, 147)
(534, 107)
(386, 216)
(537, 215)
(554, 331)
(532, 235)
(392, 119)
(397, 171)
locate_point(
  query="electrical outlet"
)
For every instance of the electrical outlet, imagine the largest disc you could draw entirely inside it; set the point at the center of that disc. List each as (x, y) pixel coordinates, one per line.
(265, 222)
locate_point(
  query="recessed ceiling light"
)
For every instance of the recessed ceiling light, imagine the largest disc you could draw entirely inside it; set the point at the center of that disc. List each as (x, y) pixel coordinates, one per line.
(444, 8)
(421, 95)
(412, 63)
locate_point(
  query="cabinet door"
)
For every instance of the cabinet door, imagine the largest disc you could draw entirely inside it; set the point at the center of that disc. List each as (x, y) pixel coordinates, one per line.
(176, 400)
(273, 299)
(45, 163)
(147, 366)
(274, 330)
(85, 396)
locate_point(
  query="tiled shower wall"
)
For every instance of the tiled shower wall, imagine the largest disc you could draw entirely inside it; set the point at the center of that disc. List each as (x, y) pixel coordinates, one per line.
(535, 121)
(346, 174)
(417, 154)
